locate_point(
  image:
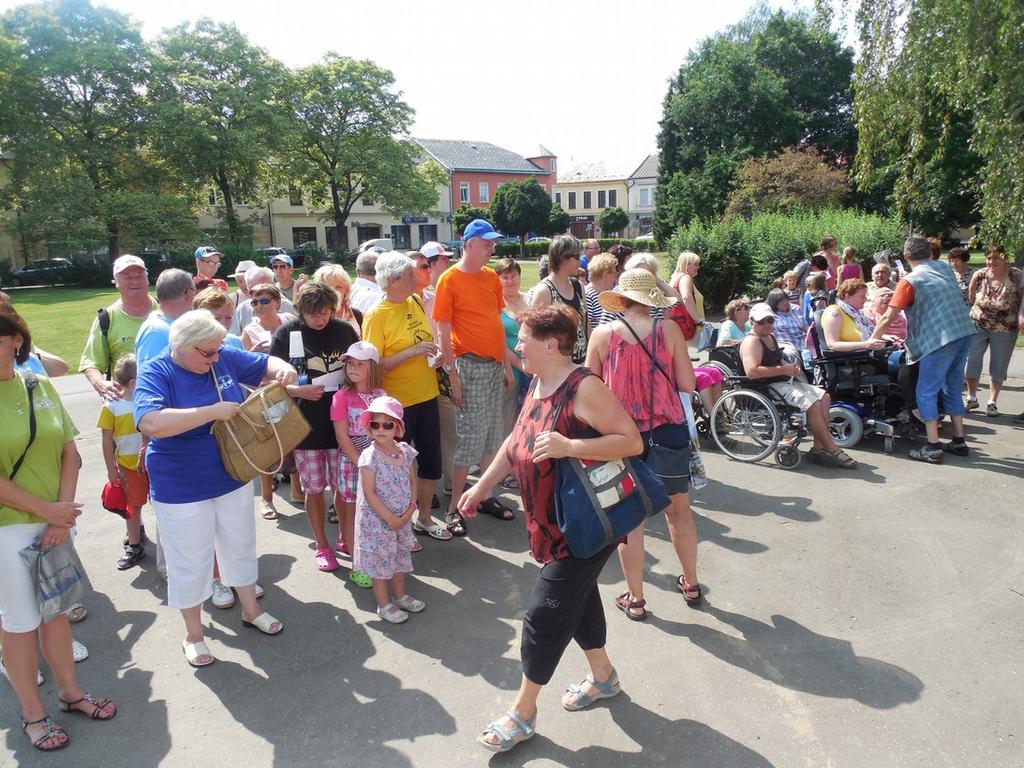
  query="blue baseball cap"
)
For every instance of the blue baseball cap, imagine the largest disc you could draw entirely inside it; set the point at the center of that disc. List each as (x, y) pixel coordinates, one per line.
(204, 252)
(479, 228)
(281, 258)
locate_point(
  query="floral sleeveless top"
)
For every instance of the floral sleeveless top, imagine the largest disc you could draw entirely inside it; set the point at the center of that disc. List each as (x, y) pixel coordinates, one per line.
(626, 370)
(537, 481)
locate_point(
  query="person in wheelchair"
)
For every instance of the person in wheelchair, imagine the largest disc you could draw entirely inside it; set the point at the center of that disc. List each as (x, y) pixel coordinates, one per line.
(845, 325)
(762, 363)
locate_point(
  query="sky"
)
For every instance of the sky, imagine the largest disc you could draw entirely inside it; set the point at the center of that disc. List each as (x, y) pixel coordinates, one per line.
(584, 79)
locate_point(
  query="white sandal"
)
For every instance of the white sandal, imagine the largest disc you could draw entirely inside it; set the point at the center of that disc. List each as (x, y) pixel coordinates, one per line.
(194, 650)
(392, 614)
(264, 623)
(410, 604)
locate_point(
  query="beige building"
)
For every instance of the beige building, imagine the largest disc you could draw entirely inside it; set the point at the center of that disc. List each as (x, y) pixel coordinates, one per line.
(584, 191)
(642, 183)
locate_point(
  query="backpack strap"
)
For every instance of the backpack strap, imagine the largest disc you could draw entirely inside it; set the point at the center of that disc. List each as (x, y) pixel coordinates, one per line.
(31, 381)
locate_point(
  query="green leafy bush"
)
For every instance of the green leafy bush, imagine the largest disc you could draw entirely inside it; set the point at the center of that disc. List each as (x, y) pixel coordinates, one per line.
(744, 256)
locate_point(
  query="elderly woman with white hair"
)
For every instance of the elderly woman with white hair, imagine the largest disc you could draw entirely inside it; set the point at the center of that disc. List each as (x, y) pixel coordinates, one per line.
(649, 261)
(398, 327)
(200, 508)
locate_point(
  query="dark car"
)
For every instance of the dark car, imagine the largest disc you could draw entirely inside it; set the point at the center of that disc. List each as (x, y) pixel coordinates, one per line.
(264, 255)
(41, 272)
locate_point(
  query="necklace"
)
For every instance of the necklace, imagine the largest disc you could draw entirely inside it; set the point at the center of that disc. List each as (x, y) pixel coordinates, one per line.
(397, 455)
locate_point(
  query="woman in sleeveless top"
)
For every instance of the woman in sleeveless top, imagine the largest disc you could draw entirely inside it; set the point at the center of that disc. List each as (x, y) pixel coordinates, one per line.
(561, 286)
(565, 604)
(619, 357)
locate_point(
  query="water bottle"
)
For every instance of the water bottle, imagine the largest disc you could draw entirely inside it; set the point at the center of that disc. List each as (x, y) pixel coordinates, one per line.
(297, 356)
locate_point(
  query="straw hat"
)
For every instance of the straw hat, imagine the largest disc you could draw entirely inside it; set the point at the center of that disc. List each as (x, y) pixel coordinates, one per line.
(640, 286)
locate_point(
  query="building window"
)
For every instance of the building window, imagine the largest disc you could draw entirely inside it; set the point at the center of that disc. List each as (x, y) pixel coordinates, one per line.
(588, 199)
(602, 199)
(428, 232)
(334, 243)
(294, 195)
(485, 193)
(572, 201)
(646, 198)
(400, 236)
(302, 235)
(213, 197)
(558, 198)
(367, 232)
(613, 198)
(464, 192)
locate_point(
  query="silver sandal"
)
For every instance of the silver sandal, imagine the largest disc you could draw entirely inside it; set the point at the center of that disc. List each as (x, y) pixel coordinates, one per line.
(508, 738)
(581, 700)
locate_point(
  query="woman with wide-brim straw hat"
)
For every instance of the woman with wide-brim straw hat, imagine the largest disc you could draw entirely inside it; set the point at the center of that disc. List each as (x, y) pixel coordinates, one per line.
(620, 353)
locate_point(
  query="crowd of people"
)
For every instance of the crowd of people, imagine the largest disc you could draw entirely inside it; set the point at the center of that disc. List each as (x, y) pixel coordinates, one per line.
(417, 376)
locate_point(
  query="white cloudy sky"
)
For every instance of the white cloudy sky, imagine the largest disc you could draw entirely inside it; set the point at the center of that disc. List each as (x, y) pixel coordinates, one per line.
(585, 79)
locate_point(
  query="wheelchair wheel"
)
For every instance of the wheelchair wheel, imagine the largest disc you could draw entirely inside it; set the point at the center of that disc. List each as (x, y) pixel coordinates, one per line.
(745, 425)
(889, 444)
(722, 368)
(845, 426)
(788, 457)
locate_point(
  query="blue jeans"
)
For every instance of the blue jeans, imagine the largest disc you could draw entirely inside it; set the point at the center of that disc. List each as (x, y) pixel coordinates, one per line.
(943, 370)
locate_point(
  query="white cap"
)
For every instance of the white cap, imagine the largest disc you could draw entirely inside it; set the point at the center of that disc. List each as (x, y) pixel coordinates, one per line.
(432, 250)
(761, 311)
(243, 267)
(123, 262)
(362, 350)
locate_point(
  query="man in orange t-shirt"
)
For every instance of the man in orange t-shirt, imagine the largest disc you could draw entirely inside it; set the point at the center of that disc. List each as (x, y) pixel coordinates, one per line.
(467, 309)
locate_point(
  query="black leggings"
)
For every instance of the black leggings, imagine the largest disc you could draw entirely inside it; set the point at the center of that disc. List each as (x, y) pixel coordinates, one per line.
(564, 605)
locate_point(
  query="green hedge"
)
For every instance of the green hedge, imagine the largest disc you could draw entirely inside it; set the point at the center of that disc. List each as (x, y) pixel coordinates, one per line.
(741, 256)
(536, 250)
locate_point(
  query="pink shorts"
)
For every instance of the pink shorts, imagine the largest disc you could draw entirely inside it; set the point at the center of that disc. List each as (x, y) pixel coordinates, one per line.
(318, 470)
(707, 377)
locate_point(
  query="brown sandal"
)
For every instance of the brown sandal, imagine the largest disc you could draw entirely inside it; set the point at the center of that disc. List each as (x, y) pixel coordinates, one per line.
(691, 592)
(627, 605)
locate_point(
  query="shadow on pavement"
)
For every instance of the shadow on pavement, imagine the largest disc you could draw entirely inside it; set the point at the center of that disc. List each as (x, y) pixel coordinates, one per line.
(788, 654)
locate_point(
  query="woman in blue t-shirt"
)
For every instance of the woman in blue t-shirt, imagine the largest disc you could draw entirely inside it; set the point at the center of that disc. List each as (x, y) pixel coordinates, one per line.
(200, 508)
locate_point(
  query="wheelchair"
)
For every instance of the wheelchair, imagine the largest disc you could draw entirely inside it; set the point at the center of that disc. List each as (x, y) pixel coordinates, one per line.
(864, 401)
(751, 421)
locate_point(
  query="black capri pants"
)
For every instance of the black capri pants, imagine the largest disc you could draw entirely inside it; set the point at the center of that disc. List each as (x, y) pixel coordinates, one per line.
(564, 605)
(423, 432)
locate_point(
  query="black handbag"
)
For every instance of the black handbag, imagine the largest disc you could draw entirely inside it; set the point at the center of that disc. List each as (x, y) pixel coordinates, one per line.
(672, 465)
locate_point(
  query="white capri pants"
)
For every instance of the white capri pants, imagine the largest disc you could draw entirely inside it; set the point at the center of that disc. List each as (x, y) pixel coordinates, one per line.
(19, 607)
(190, 534)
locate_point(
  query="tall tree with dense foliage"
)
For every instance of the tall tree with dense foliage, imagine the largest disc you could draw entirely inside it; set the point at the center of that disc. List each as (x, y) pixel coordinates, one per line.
(774, 80)
(521, 207)
(798, 178)
(465, 214)
(558, 221)
(218, 116)
(612, 221)
(73, 115)
(348, 141)
(939, 103)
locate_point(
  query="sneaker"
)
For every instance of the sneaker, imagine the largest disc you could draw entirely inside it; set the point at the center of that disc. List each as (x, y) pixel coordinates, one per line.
(133, 553)
(79, 651)
(927, 452)
(992, 410)
(956, 447)
(973, 404)
(410, 604)
(392, 614)
(223, 597)
(326, 561)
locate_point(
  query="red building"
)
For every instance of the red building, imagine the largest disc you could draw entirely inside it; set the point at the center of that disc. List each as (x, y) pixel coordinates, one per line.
(476, 169)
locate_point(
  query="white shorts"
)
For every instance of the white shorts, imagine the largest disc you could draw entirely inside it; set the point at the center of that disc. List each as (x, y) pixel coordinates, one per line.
(19, 606)
(798, 394)
(190, 533)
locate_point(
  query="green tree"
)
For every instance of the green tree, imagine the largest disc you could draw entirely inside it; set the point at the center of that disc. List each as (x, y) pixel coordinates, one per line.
(558, 222)
(73, 79)
(796, 179)
(521, 207)
(218, 119)
(612, 220)
(346, 142)
(772, 81)
(938, 105)
(465, 214)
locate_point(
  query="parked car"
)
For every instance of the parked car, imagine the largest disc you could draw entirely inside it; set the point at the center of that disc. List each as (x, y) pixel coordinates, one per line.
(264, 255)
(41, 272)
(648, 236)
(539, 240)
(381, 244)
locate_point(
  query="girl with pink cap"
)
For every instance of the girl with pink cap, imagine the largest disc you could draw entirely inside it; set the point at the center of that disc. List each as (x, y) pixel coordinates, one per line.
(386, 502)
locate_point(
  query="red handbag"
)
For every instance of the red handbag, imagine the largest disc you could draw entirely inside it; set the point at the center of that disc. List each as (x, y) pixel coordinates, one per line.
(682, 317)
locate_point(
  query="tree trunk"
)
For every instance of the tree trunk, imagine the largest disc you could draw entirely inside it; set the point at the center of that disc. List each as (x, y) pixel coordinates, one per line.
(230, 217)
(522, 247)
(113, 241)
(340, 215)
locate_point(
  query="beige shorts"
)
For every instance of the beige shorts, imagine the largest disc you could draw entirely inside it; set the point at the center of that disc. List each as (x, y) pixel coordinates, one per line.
(798, 394)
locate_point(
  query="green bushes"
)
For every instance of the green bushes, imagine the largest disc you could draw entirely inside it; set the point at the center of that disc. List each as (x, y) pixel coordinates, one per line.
(745, 256)
(536, 250)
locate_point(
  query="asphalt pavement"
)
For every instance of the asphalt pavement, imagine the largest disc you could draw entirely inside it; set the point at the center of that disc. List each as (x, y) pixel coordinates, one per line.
(864, 618)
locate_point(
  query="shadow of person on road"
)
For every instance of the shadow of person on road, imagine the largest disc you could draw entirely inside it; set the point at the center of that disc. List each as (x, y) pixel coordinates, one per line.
(661, 741)
(791, 655)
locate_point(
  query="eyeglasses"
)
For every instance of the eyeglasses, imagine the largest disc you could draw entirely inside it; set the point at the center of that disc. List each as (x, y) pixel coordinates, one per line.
(208, 354)
(280, 266)
(387, 426)
(260, 302)
(211, 261)
(766, 321)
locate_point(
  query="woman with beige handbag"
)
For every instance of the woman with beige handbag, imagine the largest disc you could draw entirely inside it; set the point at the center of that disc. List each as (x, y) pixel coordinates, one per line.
(200, 507)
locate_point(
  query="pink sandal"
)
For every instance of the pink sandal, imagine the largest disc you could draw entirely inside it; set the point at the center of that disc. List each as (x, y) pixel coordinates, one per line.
(326, 561)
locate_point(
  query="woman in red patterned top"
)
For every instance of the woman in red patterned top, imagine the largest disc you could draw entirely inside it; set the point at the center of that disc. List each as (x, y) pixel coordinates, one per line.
(620, 353)
(565, 604)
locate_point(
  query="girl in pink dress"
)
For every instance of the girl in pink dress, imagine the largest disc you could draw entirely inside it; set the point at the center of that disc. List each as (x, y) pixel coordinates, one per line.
(850, 268)
(384, 510)
(363, 378)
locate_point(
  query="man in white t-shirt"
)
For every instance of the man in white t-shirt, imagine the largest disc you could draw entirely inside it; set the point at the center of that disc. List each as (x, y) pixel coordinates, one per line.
(365, 292)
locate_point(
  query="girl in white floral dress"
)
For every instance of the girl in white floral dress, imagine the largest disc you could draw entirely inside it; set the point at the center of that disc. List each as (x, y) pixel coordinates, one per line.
(386, 502)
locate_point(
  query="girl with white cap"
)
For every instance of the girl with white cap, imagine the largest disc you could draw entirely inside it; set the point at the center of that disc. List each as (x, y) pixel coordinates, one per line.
(384, 510)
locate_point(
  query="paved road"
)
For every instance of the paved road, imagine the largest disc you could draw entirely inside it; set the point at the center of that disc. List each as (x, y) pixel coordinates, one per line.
(868, 618)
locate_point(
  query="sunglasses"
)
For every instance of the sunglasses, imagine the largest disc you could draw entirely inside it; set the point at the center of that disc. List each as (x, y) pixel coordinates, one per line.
(208, 355)
(280, 266)
(387, 426)
(766, 321)
(260, 302)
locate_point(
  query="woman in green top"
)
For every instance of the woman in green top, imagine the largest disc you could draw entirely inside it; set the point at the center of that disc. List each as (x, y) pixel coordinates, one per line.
(36, 506)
